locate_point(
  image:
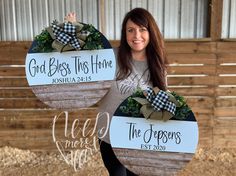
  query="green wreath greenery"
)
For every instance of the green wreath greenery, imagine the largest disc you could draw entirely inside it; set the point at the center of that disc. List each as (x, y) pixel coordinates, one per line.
(132, 107)
(93, 40)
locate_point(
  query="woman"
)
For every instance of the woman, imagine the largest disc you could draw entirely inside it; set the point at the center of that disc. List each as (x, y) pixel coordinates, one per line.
(141, 63)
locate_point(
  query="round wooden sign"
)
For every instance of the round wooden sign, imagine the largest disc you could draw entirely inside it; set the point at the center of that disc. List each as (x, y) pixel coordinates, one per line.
(153, 147)
(70, 66)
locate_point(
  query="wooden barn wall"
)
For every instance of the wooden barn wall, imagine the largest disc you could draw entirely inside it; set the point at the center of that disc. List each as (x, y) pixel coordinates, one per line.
(204, 72)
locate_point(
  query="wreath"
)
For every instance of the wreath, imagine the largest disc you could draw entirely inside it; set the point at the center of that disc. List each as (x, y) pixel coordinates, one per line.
(154, 103)
(68, 36)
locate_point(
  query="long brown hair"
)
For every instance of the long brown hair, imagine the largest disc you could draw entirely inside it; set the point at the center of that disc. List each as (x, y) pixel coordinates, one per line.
(155, 51)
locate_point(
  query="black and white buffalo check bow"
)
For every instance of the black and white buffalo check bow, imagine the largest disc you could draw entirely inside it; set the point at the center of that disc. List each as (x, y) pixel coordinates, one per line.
(66, 35)
(160, 100)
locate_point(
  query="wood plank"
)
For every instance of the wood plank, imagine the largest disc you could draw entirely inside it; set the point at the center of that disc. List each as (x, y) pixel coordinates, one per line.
(27, 92)
(23, 103)
(204, 120)
(30, 134)
(42, 123)
(225, 132)
(13, 53)
(201, 110)
(38, 121)
(188, 70)
(222, 142)
(192, 80)
(43, 134)
(34, 124)
(226, 80)
(204, 102)
(38, 145)
(225, 122)
(14, 82)
(42, 119)
(190, 47)
(23, 113)
(216, 19)
(46, 113)
(225, 91)
(224, 137)
(84, 86)
(196, 58)
(16, 51)
(226, 47)
(226, 58)
(193, 91)
(17, 93)
(33, 139)
(226, 102)
(181, 47)
(72, 96)
(11, 118)
(205, 137)
(206, 80)
(226, 69)
(225, 112)
(146, 162)
(207, 47)
(12, 71)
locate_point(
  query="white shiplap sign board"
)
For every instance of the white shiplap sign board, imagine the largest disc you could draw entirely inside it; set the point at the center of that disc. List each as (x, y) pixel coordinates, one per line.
(155, 135)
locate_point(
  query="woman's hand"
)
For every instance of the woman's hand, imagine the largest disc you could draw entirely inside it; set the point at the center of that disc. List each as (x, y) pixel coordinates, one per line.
(70, 17)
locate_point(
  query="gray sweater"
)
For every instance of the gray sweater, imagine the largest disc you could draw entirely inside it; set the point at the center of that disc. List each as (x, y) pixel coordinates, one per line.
(118, 92)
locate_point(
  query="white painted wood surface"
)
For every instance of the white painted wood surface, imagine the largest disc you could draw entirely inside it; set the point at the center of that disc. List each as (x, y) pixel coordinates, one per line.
(72, 96)
(151, 163)
(23, 19)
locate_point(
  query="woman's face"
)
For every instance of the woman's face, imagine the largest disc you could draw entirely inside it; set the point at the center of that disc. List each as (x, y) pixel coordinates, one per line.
(137, 36)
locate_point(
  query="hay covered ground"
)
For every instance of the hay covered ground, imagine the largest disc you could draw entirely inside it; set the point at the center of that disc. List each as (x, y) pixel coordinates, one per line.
(13, 161)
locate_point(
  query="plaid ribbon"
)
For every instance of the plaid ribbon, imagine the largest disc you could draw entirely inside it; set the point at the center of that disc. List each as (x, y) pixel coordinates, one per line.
(66, 35)
(160, 100)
